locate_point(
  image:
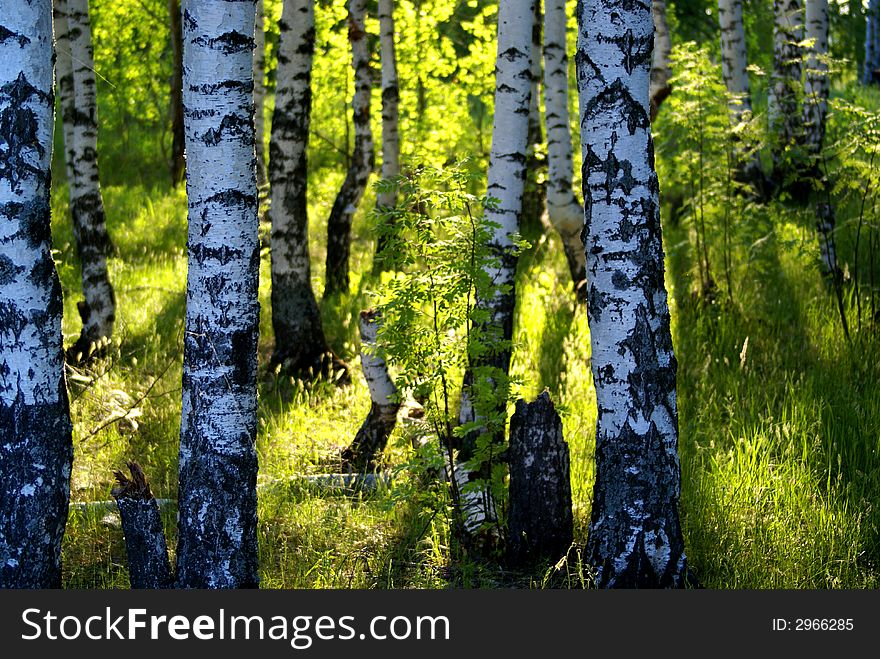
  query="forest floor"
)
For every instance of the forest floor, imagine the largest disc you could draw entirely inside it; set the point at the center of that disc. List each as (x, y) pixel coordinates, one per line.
(779, 415)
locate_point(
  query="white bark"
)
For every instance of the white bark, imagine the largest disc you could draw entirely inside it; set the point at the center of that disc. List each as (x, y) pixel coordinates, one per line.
(566, 213)
(217, 545)
(355, 183)
(872, 47)
(660, 69)
(635, 536)
(506, 178)
(64, 82)
(782, 96)
(260, 90)
(35, 432)
(734, 59)
(390, 101)
(98, 310)
(816, 79)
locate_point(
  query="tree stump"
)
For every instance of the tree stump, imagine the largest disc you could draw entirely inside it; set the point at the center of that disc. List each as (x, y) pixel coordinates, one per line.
(540, 518)
(145, 545)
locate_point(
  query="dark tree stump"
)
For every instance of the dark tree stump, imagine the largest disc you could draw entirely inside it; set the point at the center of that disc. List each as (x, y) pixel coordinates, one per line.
(539, 519)
(148, 564)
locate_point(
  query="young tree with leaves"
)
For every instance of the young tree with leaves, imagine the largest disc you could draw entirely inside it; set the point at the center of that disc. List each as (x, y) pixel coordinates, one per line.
(36, 452)
(98, 309)
(566, 213)
(355, 183)
(635, 536)
(217, 496)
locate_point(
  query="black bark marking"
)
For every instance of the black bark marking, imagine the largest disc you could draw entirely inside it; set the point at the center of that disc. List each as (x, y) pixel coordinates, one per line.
(229, 42)
(232, 125)
(6, 34)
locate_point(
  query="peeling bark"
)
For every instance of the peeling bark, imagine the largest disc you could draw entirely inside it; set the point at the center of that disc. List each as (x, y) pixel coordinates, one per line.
(36, 452)
(300, 345)
(540, 524)
(660, 71)
(390, 102)
(635, 536)
(566, 213)
(355, 183)
(148, 565)
(217, 545)
(178, 161)
(373, 434)
(506, 178)
(98, 308)
(260, 91)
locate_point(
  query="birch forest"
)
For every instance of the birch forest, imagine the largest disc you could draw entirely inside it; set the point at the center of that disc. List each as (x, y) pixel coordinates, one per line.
(386, 294)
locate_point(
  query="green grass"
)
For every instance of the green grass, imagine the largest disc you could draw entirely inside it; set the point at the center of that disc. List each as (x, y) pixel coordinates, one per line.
(780, 442)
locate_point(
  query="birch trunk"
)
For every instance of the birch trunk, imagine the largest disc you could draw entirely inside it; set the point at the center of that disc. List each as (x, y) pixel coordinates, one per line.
(506, 178)
(734, 59)
(36, 451)
(98, 309)
(872, 51)
(816, 79)
(635, 537)
(64, 82)
(563, 208)
(535, 192)
(390, 102)
(217, 546)
(178, 161)
(300, 345)
(355, 183)
(782, 97)
(260, 91)
(660, 71)
(374, 432)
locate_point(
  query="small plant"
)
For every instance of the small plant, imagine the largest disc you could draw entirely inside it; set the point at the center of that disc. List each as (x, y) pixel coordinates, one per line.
(439, 257)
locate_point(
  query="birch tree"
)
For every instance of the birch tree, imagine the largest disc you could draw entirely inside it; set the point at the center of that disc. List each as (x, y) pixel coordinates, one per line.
(98, 308)
(178, 161)
(782, 96)
(734, 59)
(816, 81)
(64, 81)
(635, 537)
(506, 178)
(535, 191)
(660, 69)
(872, 42)
(260, 90)
(387, 197)
(355, 183)
(36, 452)
(217, 497)
(300, 344)
(563, 208)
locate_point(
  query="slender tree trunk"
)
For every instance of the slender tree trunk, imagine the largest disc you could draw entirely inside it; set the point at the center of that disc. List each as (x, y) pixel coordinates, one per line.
(98, 309)
(260, 91)
(64, 81)
(506, 180)
(563, 208)
(816, 80)
(660, 70)
(872, 51)
(374, 432)
(349, 196)
(535, 192)
(390, 102)
(300, 345)
(734, 59)
(36, 452)
(178, 161)
(782, 99)
(635, 537)
(217, 498)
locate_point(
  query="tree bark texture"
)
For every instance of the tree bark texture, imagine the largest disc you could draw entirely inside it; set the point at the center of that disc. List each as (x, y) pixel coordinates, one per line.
(563, 208)
(734, 59)
(355, 183)
(825, 222)
(506, 179)
(36, 452)
(98, 308)
(539, 522)
(635, 537)
(374, 432)
(217, 494)
(782, 96)
(660, 69)
(535, 191)
(64, 82)
(300, 345)
(148, 565)
(816, 81)
(390, 112)
(178, 160)
(260, 91)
